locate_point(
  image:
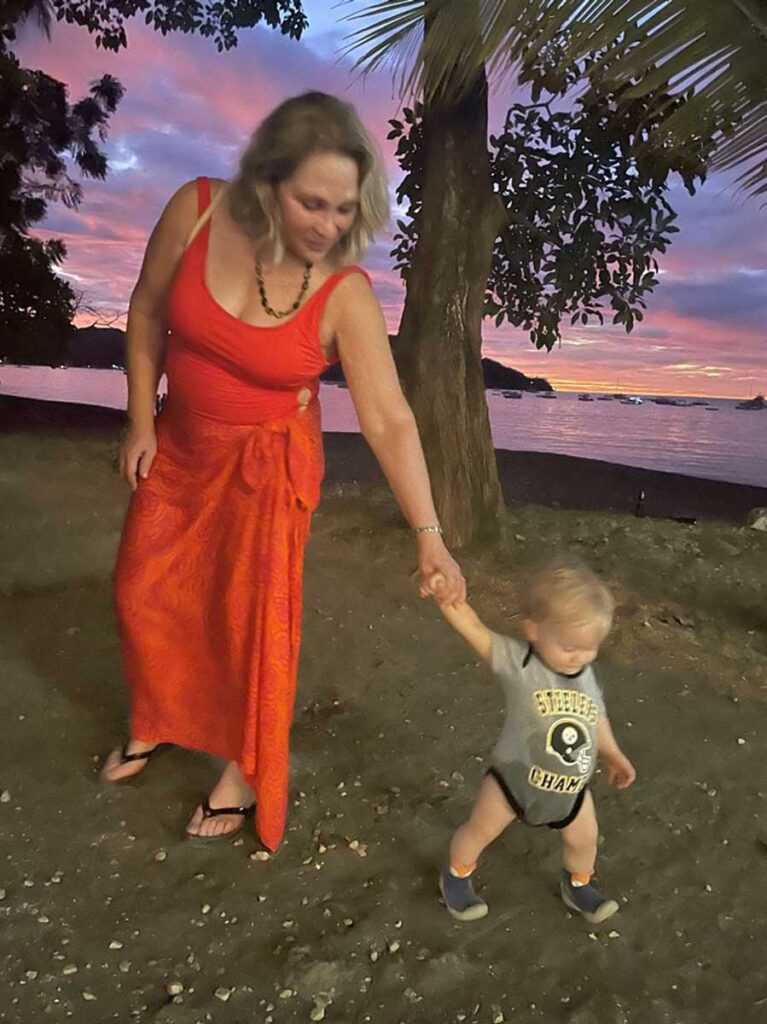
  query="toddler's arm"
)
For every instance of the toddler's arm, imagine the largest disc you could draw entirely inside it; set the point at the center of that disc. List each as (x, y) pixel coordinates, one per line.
(465, 621)
(620, 771)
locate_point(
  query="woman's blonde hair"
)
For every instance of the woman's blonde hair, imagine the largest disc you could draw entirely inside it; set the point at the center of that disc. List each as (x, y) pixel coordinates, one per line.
(298, 128)
(567, 590)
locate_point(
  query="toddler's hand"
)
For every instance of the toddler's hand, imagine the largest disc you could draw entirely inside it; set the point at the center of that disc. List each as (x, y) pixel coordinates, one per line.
(620, 771)
(437, 584)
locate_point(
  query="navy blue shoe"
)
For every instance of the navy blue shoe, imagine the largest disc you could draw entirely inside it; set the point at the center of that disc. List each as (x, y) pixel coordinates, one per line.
(460, 898)
(586, 900)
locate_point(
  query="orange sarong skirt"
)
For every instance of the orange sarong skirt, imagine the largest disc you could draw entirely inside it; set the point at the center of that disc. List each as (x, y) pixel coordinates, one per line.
(208, 592)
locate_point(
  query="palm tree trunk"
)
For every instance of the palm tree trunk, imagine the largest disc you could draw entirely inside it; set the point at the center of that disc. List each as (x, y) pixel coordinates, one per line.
(438, 348)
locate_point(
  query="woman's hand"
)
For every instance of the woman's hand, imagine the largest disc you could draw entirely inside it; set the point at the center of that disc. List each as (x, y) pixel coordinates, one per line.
(440, 576)
(136, 455)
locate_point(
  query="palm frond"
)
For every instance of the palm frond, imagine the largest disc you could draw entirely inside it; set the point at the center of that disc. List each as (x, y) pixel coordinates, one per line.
(39, 13)
(712, 51)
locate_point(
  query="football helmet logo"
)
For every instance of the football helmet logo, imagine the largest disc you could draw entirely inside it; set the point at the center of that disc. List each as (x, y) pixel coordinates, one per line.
(568, 740)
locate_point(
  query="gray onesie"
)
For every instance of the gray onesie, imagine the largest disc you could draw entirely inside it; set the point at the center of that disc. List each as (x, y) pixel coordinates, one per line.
(547, 750)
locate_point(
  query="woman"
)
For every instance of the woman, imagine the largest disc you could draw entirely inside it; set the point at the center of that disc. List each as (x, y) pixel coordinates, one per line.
(246, 294)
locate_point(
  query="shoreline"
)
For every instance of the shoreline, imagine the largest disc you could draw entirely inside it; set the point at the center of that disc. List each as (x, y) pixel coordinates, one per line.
(537, 478)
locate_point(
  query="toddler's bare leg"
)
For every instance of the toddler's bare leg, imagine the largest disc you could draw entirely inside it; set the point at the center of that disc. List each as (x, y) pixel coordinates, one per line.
(490, 816)
(579, 854)
(579, 838)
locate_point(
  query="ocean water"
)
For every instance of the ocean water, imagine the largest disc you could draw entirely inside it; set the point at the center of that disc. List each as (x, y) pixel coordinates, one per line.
(717, 441)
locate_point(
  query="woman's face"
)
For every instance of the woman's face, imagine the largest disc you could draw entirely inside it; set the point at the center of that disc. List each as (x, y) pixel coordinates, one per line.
(318, 204)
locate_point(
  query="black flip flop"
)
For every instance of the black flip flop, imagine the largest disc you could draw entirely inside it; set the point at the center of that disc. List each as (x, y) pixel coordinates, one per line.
(126, 758)
(215, 812)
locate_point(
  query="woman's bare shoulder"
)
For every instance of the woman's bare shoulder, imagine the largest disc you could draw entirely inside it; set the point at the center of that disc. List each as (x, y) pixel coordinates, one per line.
(353, 294)
(218, 183)
(353, 308)
(355, 284)
(180, 210)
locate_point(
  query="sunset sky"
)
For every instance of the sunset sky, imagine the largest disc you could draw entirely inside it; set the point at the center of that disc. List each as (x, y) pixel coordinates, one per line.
(189, 110)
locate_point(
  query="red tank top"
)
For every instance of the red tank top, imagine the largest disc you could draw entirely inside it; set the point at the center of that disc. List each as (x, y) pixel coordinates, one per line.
(219, 366)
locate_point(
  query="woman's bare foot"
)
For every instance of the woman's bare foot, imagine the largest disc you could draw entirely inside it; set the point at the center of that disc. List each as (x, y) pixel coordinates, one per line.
(117, 769)
(231, 791)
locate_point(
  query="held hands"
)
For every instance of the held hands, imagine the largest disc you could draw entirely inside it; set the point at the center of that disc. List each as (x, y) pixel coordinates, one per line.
(439, 574)
(619, 770)
(136, 455)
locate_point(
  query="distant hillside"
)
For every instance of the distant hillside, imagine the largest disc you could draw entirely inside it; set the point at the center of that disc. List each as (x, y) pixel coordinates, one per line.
(103, 347)
(496, 376)
(499, 376)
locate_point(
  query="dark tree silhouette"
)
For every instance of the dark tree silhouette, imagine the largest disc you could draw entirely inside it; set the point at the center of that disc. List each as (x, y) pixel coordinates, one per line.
(45, 140)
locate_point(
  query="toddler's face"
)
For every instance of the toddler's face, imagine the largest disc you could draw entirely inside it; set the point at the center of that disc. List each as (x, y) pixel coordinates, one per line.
(566, 647)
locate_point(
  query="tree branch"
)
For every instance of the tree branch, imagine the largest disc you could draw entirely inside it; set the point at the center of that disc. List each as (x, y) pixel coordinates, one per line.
(516, 218)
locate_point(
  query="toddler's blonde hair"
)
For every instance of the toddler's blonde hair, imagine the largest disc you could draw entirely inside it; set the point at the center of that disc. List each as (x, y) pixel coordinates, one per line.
(566, 590)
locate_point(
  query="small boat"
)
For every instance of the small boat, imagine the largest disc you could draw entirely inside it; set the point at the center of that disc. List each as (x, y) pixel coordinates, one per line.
(604, 398)
(511, 394)
(632, 400)
(546, 394)
(753, 403)
(585, 398)
(342, 384)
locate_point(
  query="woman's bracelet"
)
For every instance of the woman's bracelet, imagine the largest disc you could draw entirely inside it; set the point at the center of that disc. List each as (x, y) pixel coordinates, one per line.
(435, 528)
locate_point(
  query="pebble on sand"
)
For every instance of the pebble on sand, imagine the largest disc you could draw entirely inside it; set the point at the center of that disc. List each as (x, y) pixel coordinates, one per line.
(321, 1002)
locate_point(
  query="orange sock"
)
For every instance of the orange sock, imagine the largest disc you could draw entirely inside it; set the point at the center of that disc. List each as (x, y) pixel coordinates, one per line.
(577, 879)
(462, 870)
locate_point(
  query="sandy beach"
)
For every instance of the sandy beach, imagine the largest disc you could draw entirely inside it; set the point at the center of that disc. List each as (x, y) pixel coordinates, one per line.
(107, 912)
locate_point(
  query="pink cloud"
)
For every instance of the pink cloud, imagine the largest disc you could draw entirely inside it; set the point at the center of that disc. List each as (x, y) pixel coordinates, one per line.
(189, 111)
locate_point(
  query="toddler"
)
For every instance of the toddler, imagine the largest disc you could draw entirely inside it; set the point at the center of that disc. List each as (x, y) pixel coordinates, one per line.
(554, 728)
